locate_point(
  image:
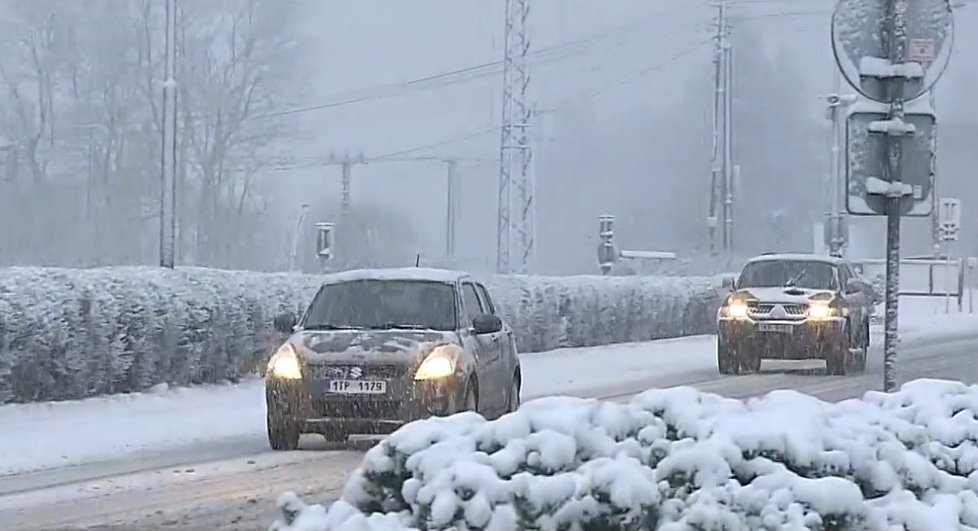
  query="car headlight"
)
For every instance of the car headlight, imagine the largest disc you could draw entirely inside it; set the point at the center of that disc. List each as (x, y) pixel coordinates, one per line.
(285, 364)
(737, 309)
(820, 310)
(438, 364)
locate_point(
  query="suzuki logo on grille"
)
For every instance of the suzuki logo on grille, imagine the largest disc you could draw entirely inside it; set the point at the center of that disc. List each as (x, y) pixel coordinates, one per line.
(356, 372)
(778, 312)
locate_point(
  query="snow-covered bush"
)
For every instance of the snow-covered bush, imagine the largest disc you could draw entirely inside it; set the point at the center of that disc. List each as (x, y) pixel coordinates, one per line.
(674, 460)
(68, 334)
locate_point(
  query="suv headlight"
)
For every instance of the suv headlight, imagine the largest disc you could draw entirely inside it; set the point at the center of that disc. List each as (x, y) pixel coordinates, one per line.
(737, 309)
(820, 311)
(285, 364)
(440, 363)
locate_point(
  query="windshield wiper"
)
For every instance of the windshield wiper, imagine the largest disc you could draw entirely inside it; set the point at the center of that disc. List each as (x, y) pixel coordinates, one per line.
(791, 282)
(330, 327)
(391, 326)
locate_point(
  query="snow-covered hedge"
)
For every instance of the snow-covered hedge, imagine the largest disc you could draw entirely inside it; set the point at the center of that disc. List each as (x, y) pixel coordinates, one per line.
(67, 334)
(674, 460)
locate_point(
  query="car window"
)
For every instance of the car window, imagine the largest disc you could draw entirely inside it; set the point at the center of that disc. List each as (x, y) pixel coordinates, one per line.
(471, 301)
(808, 274)
(844, 276)
(485, 299)
(378, 304)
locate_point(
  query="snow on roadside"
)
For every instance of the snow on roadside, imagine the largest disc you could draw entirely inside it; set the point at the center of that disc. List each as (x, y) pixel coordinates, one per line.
(674, 460)
(56, 434)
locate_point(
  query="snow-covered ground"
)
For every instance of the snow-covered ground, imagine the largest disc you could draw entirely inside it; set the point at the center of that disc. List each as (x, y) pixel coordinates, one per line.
(49, 435)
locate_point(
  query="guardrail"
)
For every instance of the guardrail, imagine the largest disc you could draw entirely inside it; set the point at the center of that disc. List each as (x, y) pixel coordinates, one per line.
(922, 277)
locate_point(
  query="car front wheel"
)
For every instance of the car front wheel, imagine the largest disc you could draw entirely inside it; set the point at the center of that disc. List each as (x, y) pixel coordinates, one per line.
(283, 432)
(727, 360)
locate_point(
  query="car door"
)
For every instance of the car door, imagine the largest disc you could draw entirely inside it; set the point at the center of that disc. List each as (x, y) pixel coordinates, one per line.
(487, 352)
(507, 345)
(855, 302)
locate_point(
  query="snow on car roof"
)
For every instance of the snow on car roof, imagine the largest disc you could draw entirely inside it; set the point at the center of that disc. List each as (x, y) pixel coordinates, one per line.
(403, 273)
(795, 257)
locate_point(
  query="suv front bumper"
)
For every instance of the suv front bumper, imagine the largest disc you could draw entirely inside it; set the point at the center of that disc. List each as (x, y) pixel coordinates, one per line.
(784, 339)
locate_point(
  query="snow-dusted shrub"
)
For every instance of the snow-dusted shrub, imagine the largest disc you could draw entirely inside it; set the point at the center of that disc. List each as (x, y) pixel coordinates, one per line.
(68, 334)
(674, 460)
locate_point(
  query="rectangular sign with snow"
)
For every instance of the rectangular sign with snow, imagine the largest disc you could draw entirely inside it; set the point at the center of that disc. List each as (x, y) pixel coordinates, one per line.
(868, 130)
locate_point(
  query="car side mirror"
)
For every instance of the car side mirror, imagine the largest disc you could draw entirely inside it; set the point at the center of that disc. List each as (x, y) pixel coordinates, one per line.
(854, 286)
(486, 324)
(285, 323)
(729, 283)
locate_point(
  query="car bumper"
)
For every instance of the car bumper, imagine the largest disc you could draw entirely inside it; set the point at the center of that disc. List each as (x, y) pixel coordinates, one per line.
(796, 340)
(315, 411)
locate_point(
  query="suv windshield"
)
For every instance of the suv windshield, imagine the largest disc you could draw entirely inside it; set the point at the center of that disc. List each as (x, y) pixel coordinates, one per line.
(797, 273)
(379, 304)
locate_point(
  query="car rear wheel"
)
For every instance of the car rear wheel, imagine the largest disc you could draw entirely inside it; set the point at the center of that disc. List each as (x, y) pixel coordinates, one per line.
(837, 361)
(856, 360)
(333, 434)
(514, 394)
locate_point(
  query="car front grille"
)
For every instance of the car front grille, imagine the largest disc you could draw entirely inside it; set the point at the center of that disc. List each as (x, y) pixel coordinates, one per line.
(769, 311)
(357, 372)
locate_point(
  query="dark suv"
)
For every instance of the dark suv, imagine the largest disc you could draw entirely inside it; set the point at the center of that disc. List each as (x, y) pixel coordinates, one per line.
(795, 307)
(379, 348)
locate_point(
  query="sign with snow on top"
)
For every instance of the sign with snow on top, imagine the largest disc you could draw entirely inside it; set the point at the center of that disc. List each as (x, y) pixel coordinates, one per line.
(868, 129)
(864, 61)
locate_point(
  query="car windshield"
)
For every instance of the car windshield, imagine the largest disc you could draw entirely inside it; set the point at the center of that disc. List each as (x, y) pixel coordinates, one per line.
(794, 273)
(379, 304)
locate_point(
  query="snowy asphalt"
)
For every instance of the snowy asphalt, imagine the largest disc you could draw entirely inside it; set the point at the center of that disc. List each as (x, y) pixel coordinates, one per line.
(233, 485)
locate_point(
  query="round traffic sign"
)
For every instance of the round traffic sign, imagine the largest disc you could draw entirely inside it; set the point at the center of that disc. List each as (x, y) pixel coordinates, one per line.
(863, 58)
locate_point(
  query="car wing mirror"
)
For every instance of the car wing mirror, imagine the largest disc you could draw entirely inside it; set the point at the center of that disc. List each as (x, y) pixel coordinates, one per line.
(285, 323)
(486, 324)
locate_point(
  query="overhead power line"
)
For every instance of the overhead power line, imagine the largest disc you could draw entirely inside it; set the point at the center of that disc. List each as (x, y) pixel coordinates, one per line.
(564, 50)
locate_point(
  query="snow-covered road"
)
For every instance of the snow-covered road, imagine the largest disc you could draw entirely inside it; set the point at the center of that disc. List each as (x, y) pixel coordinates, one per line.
(182, 459)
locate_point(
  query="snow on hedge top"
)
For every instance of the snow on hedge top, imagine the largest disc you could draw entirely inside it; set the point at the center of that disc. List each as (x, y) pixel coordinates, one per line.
(674, 460)
(402, 273)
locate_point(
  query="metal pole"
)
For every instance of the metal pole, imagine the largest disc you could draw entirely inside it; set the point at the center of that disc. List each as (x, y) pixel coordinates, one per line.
(166, 188)
(174, 93)
(346, 200)
(835, 238)
(728, 148)
(715, 170)
(895, 38)
(451, 212)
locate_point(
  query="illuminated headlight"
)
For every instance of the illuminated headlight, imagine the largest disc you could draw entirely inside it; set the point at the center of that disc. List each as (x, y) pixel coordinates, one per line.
(285, 364)
(439, 364)
(820, 310)
(737, 309)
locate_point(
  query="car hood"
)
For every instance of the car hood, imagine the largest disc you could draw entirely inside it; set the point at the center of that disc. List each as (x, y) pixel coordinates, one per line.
(782, 295)
(379, 346)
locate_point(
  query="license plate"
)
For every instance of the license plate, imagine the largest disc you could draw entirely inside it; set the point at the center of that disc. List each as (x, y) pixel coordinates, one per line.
(775, 328)
(356, 387)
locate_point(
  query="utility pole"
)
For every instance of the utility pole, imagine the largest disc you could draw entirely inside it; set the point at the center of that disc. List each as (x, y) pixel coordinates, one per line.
(168, 149)
(717, 165)
(451, 209)
(346, 163)
(728, 158)
(724, 171)
(515, 172)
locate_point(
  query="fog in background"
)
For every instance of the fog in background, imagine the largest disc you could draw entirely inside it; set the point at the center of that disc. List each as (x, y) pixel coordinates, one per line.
(270, 89)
